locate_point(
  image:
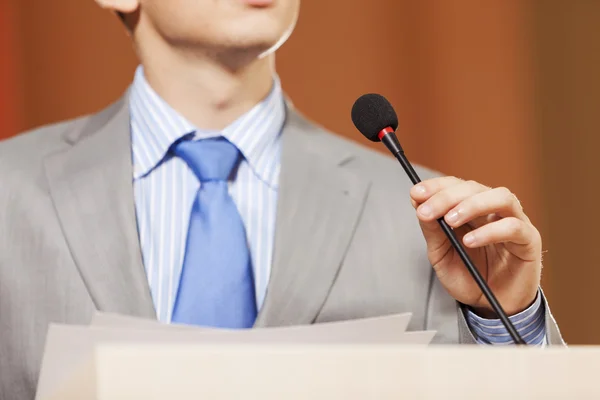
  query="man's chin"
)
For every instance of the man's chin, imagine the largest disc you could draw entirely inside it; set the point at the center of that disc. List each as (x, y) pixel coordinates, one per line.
(258, 44)
(239, 55)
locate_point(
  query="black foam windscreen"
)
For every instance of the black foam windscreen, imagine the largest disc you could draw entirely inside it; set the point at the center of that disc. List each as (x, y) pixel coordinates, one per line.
(371, 113)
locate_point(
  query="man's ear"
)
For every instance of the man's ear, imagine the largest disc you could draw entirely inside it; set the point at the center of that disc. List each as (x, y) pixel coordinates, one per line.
(123, 6)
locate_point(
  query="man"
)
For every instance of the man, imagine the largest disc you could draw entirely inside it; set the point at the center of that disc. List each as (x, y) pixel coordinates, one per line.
(202, 197)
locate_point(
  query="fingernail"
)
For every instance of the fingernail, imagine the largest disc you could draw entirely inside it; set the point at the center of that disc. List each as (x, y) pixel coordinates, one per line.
(469, 239)
(452, 216)
(420, 189)
(425, 210)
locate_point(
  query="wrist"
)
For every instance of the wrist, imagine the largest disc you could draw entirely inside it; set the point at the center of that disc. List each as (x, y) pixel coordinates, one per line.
(487, 312)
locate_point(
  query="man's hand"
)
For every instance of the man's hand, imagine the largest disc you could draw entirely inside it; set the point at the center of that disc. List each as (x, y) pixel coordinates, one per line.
(500, 239)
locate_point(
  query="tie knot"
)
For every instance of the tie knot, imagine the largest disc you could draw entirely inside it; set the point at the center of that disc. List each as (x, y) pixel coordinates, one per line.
(209, 159)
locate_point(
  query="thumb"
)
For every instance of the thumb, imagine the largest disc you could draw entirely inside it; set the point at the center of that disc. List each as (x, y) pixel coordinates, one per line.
(438, 244)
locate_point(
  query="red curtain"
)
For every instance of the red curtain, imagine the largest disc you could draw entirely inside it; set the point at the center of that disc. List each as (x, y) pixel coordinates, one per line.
(9, 95)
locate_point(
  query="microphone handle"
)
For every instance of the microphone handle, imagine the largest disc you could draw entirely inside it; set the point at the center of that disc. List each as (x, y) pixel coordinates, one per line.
(391, 142)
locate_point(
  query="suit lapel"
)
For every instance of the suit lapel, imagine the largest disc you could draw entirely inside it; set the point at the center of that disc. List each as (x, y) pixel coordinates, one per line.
(319, 204)
(91, 186)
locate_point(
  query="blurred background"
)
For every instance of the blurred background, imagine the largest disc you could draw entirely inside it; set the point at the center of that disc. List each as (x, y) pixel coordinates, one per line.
(506, 92)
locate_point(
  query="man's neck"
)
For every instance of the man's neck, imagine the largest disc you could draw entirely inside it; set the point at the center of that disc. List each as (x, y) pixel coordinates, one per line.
(208, 94)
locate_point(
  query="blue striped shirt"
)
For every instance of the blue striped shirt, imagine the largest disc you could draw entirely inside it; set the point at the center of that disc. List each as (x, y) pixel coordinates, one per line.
(531, 325)
(165, 188)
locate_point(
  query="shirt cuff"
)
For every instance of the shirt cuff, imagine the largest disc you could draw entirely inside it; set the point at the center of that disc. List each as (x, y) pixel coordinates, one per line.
(531, 325)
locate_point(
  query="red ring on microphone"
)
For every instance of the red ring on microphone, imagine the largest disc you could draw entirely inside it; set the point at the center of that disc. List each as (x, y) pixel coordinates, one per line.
(384, 132)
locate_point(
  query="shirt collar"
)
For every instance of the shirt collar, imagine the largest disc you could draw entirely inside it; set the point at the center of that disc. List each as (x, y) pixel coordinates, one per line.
(155, 126)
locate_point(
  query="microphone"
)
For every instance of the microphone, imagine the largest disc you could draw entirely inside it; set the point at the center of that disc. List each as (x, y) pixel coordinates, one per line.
(376, 119)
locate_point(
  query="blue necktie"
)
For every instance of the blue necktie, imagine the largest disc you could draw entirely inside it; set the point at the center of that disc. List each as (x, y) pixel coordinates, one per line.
(217, 285)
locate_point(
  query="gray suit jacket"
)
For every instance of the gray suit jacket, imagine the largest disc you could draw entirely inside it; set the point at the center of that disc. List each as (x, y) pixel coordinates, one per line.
(347, 244)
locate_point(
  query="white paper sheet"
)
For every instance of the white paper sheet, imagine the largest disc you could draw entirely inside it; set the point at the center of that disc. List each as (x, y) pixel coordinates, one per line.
(367, 330)
(68, 365)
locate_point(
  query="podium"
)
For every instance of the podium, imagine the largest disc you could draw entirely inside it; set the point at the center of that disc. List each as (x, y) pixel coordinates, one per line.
(160, 365)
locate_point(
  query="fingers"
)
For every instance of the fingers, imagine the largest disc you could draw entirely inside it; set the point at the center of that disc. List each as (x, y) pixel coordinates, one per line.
(434, 194)
(509, 229)
(499, 202)
(461, 202)
(424, 190)
(439, 196)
